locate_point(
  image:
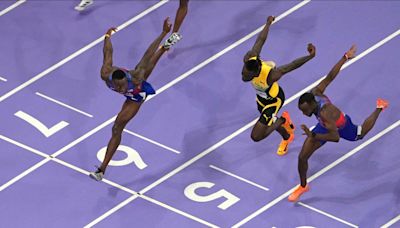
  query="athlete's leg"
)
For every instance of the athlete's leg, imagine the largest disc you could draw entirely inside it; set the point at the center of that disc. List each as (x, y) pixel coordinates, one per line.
(286, 130)
(261, 130)
(268, 122)
(282, 131)
(180, 15)
(153, 61)
(370, 121)
(309, 147)
(128, 111)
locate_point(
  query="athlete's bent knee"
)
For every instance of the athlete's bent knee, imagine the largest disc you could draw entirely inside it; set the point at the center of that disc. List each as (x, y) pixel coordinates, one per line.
(117, 129)
(256, 137)
(302, 158)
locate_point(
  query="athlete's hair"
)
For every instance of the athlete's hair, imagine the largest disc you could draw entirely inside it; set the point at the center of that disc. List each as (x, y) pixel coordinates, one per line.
(118, 75)
(253, 64)
(306, 97)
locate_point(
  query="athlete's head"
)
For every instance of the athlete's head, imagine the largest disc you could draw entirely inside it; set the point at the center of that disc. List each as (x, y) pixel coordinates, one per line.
(307, 104)
(119, 81)
(251, 67)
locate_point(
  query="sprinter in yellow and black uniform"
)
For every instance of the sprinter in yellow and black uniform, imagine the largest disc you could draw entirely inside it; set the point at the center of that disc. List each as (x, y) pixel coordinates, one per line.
(264, 77)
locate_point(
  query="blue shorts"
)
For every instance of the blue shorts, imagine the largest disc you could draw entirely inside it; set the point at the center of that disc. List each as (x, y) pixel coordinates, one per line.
(349, 131)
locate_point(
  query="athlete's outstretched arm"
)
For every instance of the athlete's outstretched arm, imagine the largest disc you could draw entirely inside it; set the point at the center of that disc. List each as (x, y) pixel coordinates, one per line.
(154, 45)
(277, 73)
(107, 55)
(262, 37)
(320, 88)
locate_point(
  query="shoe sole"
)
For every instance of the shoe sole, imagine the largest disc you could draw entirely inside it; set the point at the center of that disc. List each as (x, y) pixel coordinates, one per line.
(94, 177)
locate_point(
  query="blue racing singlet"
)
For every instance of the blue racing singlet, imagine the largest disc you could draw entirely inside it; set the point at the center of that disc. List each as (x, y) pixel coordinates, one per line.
(321, 101)
(133, 93)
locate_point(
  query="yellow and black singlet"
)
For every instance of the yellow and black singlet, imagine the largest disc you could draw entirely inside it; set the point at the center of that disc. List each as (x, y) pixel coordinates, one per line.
(270, 98)
(260, 82)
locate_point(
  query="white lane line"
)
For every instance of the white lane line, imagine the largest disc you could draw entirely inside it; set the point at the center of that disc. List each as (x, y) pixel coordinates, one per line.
(24, 146)
(3, 79)
(327, 214)
(111, 183)
(152, 141)
(23, 174)
(112, 211)
(31, 169)
(322, 171)
(79, 52)
(178, 211)
(391, 222)
(239, 178)
(197, 157)
(13, 6)
(122, 204)
(134, 196)
(86, 173)
(83, 137)
(63, 104)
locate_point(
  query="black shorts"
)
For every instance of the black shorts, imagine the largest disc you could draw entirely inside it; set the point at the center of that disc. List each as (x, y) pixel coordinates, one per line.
(270, 107)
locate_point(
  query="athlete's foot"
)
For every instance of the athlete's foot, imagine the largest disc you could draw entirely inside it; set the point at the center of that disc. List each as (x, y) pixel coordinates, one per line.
(382, 104)
(297, 193)
(98, 175)
(83, 5)
(289, 127)
(172, 40)
(284, 146)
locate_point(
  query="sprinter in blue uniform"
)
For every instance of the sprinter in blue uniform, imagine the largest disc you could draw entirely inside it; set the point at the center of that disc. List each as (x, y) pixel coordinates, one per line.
(132, 83)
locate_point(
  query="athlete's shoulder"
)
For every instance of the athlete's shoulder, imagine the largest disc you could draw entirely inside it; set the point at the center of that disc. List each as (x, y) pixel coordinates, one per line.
(326, 111)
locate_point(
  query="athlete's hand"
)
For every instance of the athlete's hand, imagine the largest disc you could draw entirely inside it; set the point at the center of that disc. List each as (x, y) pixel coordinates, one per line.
(351, 52)
(167, 25)
(311, 49)
(306, 130)
(270, 19)
(111, 30)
